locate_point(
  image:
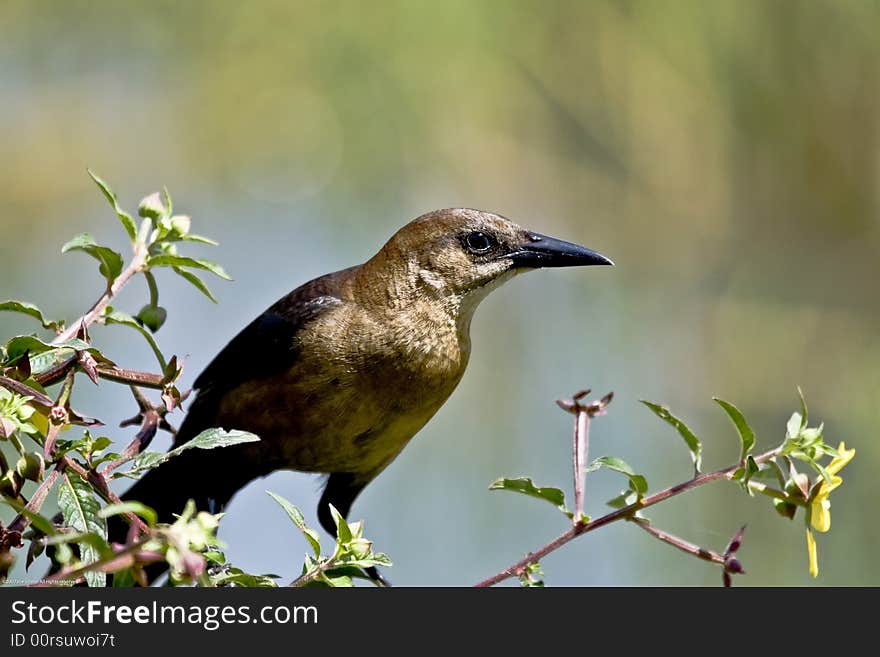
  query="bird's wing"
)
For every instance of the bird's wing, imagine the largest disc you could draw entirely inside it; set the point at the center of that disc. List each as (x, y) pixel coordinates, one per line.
(264, 347)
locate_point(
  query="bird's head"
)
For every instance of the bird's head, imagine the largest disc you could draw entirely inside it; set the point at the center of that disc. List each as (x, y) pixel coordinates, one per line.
(459, 255)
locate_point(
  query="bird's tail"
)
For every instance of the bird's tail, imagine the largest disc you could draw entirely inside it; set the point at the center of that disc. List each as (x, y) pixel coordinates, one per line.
(206, 477)
(209, 477)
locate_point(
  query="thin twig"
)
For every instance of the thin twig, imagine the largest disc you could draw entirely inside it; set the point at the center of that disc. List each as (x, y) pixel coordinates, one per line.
(305, 578)
(135, 266)
(56, 373)
(39, 400)
(133, 377)
(111, 373)
(680, 543)
(77, 574)
(143, 438)
(619, 514)
(21, 521)
(100, 485)
(581, 448)
(583, 413)
(51, 438)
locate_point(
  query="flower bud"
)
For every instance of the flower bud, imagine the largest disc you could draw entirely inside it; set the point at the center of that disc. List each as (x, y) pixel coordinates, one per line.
(180, 224)
(153, 317)
(30, 466)
(152, 206)
(733, 566)
(10, 483)
(361, 547)
(798, 485)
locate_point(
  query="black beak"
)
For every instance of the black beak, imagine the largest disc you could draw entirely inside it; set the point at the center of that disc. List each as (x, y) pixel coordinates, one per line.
(543, 251)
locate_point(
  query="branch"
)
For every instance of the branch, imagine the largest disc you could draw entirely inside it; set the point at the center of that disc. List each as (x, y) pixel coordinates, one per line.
(311, 575)
(685, 546)
(623, 513)
(135, 266)
(730, 565)
(138, 443)
(132, 377)
(99, 483)
(21, 521)
(39, 400)
(111, 373)
(65, 575)
(583, 414)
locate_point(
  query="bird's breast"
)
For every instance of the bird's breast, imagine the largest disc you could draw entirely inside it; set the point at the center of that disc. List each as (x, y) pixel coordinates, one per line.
(360, 388)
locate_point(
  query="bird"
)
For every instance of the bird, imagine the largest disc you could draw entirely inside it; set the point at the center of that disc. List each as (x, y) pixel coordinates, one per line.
(337, 376)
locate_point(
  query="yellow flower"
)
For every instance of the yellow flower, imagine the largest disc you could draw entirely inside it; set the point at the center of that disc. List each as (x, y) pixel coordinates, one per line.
(811, 551)
(819, 511)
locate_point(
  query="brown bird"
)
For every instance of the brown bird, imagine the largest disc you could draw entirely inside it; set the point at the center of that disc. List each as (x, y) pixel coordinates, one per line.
(338, 375)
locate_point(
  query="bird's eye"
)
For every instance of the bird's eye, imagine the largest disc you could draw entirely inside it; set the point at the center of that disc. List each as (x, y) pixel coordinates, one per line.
(478, 242)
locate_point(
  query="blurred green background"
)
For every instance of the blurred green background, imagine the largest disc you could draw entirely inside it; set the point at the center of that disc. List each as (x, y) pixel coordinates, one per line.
(724, 154)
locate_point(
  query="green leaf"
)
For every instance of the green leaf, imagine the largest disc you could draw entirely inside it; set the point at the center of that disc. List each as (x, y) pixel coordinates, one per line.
(21, 344)
(33, 345)
(785, 509)
(111, 263)
(199, 238)
(794, 425)
(751, 470)
(80, 509)
(811, 437)
(87, 446)
(822, 471)
(772, 469)
(828, 450)
(803, 407)
(169, 260)
(101, 443)
(124, 579)
(47, 360)
(195, 280)
(297, 517)
(43, 355)
(355, 572)
(40, 522)
(531, 576)
(142, 462)
(112, 316)
(30, 309)
(141, 510)
(693, 443)
(208, 439)
(341, 581)
(166, 198)
(744, 474)
(374, 559)
(126, 219)
(525, 486)
(627, 497)
(343, 531)
(638, 483)
(746, 435)
(237, 577)
(92, 538)
(211, 438)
